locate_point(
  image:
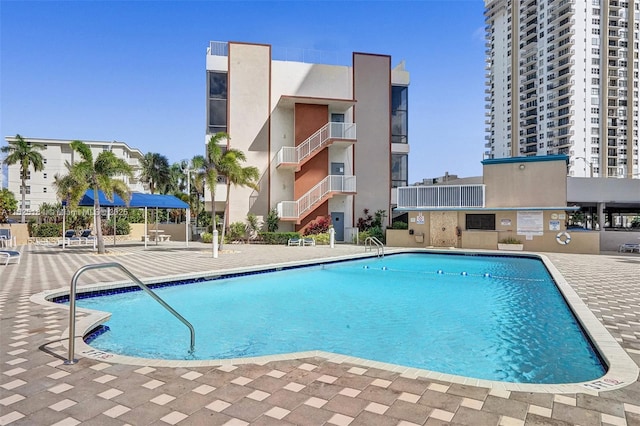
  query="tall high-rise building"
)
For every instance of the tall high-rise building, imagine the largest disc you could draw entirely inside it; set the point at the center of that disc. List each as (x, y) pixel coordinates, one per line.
(562, 78)
(295, 118)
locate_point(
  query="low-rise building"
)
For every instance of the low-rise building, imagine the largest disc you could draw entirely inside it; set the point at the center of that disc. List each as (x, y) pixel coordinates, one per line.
(520, 198)
(56, 154)
(328, 140)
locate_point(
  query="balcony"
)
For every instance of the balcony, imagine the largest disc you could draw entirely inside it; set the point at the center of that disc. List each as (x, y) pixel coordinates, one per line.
(295, 156)
(296, 211)
(441, 196)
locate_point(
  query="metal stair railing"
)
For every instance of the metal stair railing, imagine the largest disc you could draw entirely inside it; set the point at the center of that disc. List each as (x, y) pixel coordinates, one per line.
(331, 183)
(369, 242)
(315, 142)
(72, 304)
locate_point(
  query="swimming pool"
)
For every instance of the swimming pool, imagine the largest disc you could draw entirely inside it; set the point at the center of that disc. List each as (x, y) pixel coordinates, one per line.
(495, 318)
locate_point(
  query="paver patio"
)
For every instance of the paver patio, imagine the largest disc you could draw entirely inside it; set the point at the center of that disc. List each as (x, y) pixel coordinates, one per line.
(36, 388)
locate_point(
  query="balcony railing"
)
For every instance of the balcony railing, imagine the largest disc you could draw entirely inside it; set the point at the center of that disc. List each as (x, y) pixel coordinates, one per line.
(331, 131)
(441, 196)
(296, 210)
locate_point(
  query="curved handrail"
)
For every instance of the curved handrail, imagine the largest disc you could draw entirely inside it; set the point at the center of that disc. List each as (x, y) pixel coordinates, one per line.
(72, 304)
(373, 240)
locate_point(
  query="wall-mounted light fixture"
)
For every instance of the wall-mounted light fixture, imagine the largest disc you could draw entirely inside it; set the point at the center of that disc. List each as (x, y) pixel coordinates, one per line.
(521, 166)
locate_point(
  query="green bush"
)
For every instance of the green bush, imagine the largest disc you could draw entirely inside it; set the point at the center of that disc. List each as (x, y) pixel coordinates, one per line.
(399, 225)
(46, 230)
(371, 232)
(277, 237)
(122, 227)
(237, 231)
(207, 237)
(321, 239)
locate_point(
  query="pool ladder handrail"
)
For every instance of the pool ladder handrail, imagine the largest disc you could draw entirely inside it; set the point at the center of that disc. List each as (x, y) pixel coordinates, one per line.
(72, 304)
(370, 241)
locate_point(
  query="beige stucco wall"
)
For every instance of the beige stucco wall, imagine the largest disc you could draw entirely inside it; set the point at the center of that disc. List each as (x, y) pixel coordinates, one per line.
(18, 230)
(506, 226)
(249, 109)
(177, 231)
(372, 76)
(526, 184)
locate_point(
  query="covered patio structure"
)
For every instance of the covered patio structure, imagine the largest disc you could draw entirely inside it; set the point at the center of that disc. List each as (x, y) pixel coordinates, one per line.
(138, 200)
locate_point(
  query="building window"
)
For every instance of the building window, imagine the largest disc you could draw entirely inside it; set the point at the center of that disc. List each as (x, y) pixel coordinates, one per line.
(27, 190)
(399, 170)
(485, 222)
(399, 110)
(217, 102)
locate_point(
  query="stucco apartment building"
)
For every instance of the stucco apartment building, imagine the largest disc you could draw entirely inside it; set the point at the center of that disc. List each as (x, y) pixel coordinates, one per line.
(56, 153)
(329, 140)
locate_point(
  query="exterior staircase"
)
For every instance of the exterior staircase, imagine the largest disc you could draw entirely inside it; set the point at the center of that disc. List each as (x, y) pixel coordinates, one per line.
(295, 156)
(297, 210)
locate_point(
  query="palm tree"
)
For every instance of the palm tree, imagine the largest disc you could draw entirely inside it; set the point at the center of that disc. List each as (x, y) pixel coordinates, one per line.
(197, 184)
(214, 161)
(237, 176)
(155, 172)
(98, 175)
(26, 154)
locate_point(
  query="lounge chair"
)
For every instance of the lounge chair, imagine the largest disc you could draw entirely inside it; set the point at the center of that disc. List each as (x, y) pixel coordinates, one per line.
(629, 247)
(9, 255)
(5, 238)
(294, 242)
(309, 241)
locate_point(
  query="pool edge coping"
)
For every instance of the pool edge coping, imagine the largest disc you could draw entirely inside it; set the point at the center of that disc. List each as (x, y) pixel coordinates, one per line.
(622, 370)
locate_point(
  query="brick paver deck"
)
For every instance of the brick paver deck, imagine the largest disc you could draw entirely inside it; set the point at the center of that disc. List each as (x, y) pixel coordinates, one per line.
(36, 388)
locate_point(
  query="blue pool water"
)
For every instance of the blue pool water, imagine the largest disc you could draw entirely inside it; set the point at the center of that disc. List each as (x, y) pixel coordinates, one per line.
(496, 318)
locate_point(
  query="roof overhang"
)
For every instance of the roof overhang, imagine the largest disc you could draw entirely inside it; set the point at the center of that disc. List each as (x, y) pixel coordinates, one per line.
(289, 102)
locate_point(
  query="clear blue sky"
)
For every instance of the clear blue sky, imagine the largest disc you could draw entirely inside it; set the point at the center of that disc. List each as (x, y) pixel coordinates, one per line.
(134, 71)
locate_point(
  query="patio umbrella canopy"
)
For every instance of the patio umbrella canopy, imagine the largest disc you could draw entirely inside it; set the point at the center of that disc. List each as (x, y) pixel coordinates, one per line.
(138, 200)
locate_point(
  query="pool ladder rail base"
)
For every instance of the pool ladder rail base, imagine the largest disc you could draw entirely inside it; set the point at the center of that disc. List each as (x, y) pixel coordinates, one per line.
(369, 242)
(72, 305)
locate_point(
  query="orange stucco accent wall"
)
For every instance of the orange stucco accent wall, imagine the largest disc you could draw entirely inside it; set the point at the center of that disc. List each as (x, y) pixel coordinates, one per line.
(322, 210)
(309, 119)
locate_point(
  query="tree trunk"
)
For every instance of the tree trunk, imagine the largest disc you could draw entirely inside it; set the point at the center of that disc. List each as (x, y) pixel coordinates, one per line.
(23, 190)
(224, 216)
(98, 221)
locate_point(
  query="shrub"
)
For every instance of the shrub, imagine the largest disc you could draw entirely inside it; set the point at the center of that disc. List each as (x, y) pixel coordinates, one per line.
(237, 231)
(318, 226)
(46, 230)
(399, 225)
(277, 237)
(510, 240)
(207, 237)
(322, 239)
(272, 220)
(378, 233)
(122, 227)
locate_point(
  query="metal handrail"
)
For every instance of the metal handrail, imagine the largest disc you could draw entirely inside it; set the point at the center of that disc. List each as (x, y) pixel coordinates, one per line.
(373, 240)
(72, 304)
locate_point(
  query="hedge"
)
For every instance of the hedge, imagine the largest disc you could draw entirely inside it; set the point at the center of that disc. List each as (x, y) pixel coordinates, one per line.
(277, 237)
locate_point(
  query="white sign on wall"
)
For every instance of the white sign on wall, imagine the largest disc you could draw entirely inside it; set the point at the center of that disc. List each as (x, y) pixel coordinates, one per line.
(530, 223)
(420, 219)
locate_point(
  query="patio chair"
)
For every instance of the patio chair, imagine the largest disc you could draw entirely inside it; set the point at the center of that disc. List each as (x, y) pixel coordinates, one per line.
(309, 241)
(9, 255)
(5, 238)
(629, 247)
(294, 242)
